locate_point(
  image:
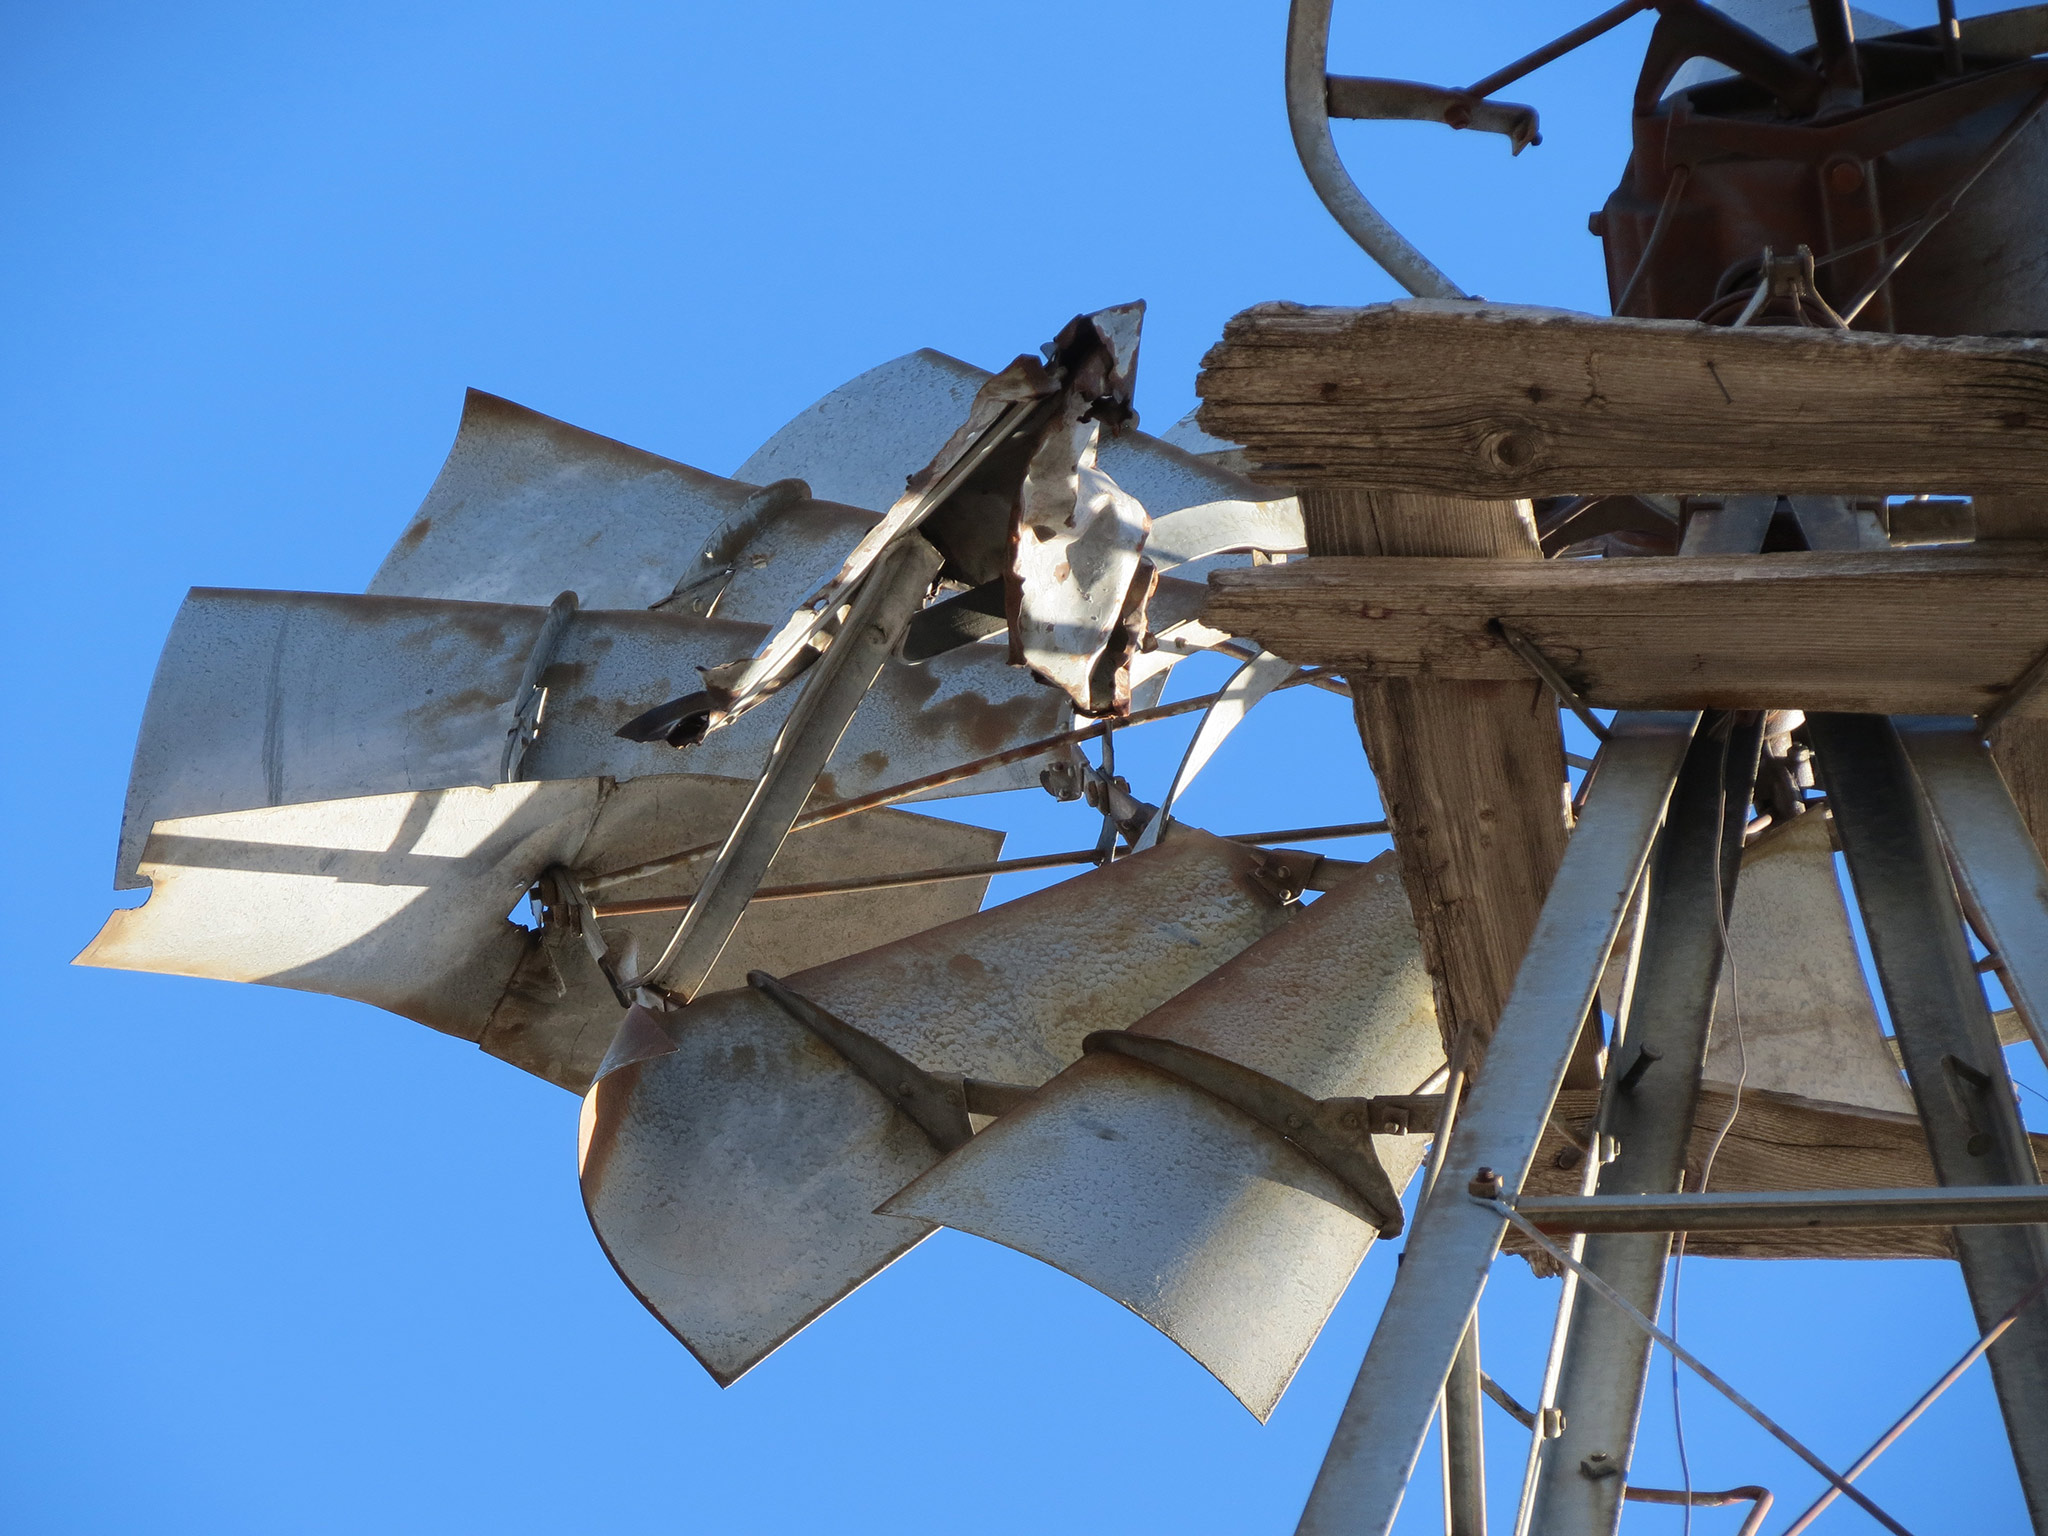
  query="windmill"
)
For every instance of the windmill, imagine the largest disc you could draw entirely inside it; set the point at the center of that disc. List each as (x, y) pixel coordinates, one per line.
(674, 717)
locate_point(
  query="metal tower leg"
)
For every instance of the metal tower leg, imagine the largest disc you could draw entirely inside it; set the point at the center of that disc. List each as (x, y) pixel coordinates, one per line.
(1950, 1048)
(1649, 1109)
(1444, 1266)
(1464, 1440)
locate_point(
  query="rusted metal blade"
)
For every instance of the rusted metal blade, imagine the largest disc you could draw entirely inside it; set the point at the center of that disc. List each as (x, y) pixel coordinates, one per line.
(527, 505)
(274, 698)
(400, 901)
(1206, 1223)
(732, 1167)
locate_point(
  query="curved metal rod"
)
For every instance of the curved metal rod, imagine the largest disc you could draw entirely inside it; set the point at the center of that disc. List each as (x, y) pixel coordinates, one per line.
(1308, 115)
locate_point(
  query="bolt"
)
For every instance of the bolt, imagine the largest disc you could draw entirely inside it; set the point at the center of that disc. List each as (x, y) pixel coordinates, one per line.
(1845, 177)
(1598, 1465)
(1485, 1184)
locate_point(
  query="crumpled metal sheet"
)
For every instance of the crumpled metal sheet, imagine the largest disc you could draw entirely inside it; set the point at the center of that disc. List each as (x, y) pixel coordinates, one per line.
(733, 1178)
(274, 698)
(401, 901)
(1026, 426)
(1077, 582)
(860, 443)
(526, 506)
(1187, 1211)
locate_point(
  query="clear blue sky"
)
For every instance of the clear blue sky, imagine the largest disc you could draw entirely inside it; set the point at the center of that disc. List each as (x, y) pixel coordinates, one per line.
(277, 1263)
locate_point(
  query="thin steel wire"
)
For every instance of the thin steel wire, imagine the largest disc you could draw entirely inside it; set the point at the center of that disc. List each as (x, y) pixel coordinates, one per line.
(1954, 1373)
(1705, 1372)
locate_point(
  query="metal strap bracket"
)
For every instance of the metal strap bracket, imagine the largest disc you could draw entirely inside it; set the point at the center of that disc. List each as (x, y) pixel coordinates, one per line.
(1335, 1133)
(937, 1102)
(530, 697)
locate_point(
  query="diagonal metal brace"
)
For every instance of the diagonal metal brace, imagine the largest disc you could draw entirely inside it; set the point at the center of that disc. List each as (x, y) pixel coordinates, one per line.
(1332, 1132)
(938, 1103)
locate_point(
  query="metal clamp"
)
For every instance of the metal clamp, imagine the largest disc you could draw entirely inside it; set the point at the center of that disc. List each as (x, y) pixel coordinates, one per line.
(1334, 1133)
(938, 1103)
(530, 697)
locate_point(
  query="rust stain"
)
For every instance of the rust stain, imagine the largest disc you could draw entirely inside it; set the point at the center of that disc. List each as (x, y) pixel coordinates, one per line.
(410, 539)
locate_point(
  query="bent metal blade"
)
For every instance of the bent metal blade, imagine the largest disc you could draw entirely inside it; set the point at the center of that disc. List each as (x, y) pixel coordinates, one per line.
(1211, 1227)
(276, 698)
(858, 443)
(732, 1161)
(400, 901)
(526, 505)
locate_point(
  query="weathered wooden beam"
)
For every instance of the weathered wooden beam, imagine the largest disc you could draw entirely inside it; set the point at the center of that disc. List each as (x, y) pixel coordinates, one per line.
(2020, 743)
(1491, 400)
(1471, 774)
(1891, 632)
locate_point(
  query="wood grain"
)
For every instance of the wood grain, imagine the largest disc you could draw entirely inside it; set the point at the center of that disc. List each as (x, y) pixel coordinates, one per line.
(1888, 632)
(1489, 400)
(1471, 775)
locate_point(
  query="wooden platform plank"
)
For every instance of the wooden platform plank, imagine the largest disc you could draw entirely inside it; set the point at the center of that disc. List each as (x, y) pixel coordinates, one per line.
(1889, 632)
(1492, 400)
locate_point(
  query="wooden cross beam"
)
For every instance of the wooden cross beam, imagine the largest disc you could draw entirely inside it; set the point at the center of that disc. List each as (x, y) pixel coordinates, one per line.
(1489, 400)
(1927, 632)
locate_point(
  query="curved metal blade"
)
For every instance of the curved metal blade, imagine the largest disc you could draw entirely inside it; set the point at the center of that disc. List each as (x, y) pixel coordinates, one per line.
(400, 901)
(527, 505)
(1189, 1212)
(274, 698)
(1249, 684)
(733, 1180)
(858, 443)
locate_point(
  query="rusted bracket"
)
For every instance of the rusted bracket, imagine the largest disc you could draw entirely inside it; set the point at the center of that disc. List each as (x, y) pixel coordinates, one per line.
(938, 1103)
(1335, 1133)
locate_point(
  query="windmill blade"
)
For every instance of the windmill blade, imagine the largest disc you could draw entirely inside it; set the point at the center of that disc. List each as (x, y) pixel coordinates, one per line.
(859, 443)
(733, 1177)
(400, 901)
(1794, 1014)
(1209, 1225)
(1822, 1103)
(527, 505)
(273, 698)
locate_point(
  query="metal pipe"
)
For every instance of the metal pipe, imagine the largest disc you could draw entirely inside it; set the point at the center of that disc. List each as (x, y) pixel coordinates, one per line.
(832, 690)
(1949, 1378)
(1691, 880)
(1944, 205)
(1464, 1441)
(1443, 1269)
(1308, 117)
(1956, 1205)
(1700, 1369)
(1578, 37)
(1949, 1047)
(944, 873)
(1760, 1501)
(612, 878)
(1534, 659)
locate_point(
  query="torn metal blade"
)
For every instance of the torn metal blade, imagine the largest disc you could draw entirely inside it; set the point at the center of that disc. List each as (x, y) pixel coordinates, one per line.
(859, 443)
(733, 1177)
(527, 505)
(401, 901)
(277, 698)
(1226, 1237)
